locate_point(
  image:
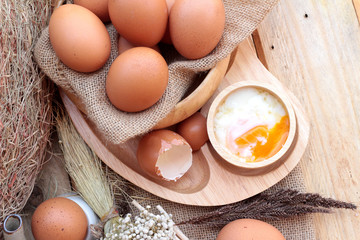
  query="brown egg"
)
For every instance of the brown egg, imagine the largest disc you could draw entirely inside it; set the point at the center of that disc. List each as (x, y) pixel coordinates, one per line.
(166, 38)
(194, 130)
(137, 79)
(196, 27)
(59, 219)
(140, 22)
(79, 38)
(99, 7)
(164, 154)
(249, 229)
(124, 45)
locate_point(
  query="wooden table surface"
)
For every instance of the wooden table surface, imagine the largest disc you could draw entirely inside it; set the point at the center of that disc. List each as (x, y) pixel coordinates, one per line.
(313, 47)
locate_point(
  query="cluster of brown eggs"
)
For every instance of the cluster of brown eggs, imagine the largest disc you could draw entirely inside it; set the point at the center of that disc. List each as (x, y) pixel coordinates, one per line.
(139, 76)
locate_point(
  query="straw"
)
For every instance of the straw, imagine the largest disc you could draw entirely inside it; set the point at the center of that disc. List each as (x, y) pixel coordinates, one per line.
(84, 167)
(25, 102)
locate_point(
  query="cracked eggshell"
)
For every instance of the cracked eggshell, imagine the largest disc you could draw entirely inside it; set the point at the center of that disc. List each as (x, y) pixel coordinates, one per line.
(164, 154)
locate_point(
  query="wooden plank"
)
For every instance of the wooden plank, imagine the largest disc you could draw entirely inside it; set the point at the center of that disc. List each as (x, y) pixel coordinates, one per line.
(357, 8)
(313, 47)
(259, 48)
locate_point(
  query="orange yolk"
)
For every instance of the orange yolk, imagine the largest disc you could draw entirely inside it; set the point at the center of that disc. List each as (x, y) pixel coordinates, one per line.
(264, 143)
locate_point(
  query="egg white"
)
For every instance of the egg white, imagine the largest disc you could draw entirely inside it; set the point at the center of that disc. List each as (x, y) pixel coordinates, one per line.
(249, 106)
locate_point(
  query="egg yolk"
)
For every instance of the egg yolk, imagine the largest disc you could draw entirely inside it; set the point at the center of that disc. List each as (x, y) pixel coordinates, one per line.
(262, 142)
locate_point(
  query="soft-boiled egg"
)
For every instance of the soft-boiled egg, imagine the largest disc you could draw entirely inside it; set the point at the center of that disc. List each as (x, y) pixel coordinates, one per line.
(252, 124)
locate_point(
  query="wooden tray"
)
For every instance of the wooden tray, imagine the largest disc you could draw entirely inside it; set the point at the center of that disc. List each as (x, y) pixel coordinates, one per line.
(210, 181)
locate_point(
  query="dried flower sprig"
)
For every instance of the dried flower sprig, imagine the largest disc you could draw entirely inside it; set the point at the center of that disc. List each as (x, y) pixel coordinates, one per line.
(146, 225)
(284, 203)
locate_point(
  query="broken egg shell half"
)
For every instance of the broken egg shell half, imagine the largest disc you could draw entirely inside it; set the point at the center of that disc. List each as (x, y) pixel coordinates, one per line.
(164, 154)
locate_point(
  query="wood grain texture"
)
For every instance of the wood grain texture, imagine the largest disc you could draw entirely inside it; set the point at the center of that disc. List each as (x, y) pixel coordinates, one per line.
(313, 47)
(207, 181)
(357, 8)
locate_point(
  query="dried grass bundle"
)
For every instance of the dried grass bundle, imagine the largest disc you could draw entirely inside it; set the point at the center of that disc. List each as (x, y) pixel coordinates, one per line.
(84, 167)
(25, 102)
(86, 171)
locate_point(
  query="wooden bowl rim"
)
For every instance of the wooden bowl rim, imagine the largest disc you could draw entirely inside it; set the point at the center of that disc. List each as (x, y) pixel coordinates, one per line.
(226, 154)
(197, 98)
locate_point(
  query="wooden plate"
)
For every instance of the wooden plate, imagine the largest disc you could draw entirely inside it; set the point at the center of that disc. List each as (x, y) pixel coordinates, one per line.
(210, 181)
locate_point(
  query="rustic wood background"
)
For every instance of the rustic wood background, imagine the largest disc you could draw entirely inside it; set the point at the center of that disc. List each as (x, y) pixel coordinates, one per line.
(313, 47)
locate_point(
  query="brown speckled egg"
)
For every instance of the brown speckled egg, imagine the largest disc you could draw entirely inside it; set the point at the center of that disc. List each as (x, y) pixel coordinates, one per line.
(249, 229)
(142, 22)
(196, 27)
(137, 79)
(124, 45)
(59, 219)
(194, 130)
(79, 38)
(166, 38)
(99, 7)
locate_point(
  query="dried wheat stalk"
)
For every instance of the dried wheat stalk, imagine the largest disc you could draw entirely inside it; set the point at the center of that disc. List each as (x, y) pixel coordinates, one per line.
(25, 102)
(84, 167)
(284, 203)
(86, 171)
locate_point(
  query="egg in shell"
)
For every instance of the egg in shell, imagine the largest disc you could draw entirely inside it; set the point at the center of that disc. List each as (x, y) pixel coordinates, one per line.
(59, 219)
(79, 38)
(137, 79)
(164, 154)
(167, 38)
(196, 27)
(99, 7)
(140, 22)
(124, 45)
(249, 229)
(194, 130)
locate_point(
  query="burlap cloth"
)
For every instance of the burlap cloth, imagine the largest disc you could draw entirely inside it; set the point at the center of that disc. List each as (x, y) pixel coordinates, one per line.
(295, 228)
(242, 18)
